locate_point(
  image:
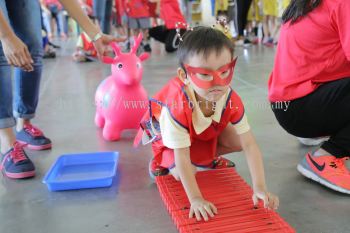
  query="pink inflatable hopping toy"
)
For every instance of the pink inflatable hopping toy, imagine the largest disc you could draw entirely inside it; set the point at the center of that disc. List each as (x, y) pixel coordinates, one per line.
(120, 99)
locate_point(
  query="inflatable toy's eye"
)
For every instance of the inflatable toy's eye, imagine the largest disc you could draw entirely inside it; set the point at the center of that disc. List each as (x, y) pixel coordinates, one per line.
(120, 65)
(138, 65)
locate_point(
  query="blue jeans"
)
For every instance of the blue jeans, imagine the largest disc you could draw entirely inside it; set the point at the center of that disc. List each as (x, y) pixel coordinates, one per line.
(59, 17)
(103, 11)
(46, 21)
(24, 17)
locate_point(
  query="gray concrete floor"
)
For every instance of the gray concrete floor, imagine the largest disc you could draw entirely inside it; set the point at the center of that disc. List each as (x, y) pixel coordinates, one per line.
(132, 204)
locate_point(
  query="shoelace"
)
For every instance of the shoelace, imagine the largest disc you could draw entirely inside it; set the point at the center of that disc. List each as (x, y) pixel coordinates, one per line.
(17, 154)
(32, 130)
(340, 164)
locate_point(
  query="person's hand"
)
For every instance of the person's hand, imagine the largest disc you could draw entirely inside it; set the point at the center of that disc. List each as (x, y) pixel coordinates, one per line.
(17, 53)
(270, 200)
(102, 43)
(201, 207)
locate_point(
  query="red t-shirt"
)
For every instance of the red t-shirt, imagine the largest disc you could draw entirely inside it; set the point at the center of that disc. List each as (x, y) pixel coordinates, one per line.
(54, 2)
(89, 3)
(170, 13)
(120, 10)
(137, 8)
(312, 51)
(152, 6)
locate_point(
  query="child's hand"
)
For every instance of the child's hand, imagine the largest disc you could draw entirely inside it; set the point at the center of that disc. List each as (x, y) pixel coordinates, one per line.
(271, 201)
(201, 207)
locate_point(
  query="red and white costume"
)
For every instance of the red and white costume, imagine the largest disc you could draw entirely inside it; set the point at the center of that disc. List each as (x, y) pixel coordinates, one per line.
(174, 120)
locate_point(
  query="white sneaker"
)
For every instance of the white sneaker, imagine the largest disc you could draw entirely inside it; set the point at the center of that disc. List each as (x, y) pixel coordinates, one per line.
(312, 141)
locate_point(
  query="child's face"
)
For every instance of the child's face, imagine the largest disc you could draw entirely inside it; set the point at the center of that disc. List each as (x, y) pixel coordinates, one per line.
(214, 62)
(222, 19)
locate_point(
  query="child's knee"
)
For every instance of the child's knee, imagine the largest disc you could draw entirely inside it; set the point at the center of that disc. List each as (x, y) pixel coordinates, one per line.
(237, 148)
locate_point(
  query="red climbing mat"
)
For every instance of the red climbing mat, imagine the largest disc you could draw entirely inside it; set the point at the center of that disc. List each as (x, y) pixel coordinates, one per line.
(233, 198)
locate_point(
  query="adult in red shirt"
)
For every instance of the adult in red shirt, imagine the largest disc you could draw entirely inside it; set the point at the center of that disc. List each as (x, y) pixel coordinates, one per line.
(309, 88)
(170, 13)
(139, 20)
(121, 18)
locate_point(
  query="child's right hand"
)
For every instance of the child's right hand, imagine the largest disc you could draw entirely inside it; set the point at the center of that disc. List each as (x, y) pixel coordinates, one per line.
(201, 207)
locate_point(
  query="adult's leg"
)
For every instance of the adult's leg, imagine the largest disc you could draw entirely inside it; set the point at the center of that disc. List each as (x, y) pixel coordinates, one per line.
(172, 40)
(27, 83)
(7, 121)
(61, 21)
(232, 17)
(159, 33)
(98, 9)
(102, 11)
(26, 94)
(46, 22)
(325, 112)
(242, 13)
(106, 19)
(14, 162)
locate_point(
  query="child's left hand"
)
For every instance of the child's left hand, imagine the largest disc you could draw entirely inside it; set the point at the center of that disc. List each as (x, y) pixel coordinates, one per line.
(271, 201)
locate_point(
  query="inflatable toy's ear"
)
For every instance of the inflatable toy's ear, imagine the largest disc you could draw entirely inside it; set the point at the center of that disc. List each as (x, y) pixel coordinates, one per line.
(144, 56)
(137, 43)
(116, 48)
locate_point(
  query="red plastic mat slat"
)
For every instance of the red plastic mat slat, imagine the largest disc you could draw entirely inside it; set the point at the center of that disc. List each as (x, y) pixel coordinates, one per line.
(230, 194)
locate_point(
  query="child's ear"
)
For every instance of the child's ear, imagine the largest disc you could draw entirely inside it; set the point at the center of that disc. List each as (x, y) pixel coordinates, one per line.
(181, 74)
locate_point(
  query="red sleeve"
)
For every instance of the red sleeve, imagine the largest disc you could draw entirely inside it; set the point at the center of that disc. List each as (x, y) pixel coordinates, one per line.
(236, 107)
(152, 6)
(341, 19)
(89, 3)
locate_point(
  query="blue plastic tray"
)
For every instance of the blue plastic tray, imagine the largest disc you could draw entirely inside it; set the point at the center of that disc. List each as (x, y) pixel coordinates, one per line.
(79, 171)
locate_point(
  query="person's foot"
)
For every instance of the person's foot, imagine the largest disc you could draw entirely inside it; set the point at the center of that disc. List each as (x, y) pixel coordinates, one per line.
(312, 141)
(49, 54)
(64, 36)
(221, 162)
(243, 43)
(16, 164)
(147, 48)
(326, 170)
(268, 42)
(255, 40)
(33, 138)
(247, 41)
(155, 169)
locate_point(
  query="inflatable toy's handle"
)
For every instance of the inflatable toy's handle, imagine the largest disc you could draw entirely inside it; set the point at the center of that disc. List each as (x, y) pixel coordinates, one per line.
(144, 56)
(107, 60)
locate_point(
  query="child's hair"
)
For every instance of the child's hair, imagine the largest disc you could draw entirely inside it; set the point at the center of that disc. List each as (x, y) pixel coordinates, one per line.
(202, 40)
(221, 13)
